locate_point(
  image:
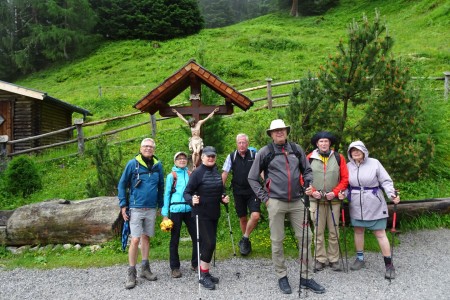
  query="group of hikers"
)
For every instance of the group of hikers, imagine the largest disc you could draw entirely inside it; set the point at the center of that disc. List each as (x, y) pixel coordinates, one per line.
(291, 184)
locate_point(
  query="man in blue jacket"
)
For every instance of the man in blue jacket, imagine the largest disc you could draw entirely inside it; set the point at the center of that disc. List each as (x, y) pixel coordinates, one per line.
(143, 181)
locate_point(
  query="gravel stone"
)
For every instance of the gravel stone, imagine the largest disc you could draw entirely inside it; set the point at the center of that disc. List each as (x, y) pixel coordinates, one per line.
(422, 262)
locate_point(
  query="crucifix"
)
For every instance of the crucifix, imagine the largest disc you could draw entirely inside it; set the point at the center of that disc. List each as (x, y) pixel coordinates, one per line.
(196, 109)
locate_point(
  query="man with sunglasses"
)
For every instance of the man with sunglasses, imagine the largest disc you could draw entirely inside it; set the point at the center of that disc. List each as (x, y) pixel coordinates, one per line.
(141, 191)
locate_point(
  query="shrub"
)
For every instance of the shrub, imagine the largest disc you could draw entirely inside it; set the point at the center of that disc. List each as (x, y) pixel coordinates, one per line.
(22, 177)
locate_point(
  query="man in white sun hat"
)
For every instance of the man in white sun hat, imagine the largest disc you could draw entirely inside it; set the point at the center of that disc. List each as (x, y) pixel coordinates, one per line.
(283, 163)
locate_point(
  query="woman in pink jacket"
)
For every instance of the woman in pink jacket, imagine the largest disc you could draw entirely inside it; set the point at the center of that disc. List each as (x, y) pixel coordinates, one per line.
(368, 209)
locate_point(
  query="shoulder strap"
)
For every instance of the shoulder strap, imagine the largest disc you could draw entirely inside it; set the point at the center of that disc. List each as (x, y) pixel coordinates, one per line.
(174, 184)
(233, 157)
(267, 159)
(338, 157)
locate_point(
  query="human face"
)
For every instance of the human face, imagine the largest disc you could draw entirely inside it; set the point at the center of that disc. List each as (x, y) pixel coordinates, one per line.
(357, 155)
(148, 149)
(242, 145)
(209, 160)
(181, 161)
(323, 145)
(279, 136)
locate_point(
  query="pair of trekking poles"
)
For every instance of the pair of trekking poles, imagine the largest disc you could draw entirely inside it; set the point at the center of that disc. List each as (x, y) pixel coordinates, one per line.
(238, 274)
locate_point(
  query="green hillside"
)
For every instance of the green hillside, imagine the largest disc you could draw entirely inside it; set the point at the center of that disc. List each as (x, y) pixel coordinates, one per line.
(243, 55)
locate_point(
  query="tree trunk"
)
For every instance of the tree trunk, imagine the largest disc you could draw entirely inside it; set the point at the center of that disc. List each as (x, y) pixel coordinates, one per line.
(89, 221)
(294, 8)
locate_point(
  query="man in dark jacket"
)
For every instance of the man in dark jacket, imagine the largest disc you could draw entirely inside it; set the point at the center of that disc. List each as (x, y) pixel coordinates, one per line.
(143, 180)
(239, 163)
(282, 194)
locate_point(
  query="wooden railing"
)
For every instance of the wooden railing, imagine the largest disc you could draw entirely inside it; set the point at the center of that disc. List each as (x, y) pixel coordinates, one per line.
(79, 124)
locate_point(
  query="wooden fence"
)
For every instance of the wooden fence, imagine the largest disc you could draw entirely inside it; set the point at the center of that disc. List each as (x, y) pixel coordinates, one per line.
(79, 124)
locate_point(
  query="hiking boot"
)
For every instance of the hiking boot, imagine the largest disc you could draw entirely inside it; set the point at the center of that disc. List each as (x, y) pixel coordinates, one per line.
(318, 266)
(311, 285)
(245, 246)
(283, 283)
(335, 266)
(194, 268)
(131, 278)
(358, 265)
(176, 273)
(147, 274)
(390, 272)
(206, 280)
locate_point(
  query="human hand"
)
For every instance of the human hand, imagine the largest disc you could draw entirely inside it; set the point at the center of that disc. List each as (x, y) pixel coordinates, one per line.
(329, 196)
(317, 195)
(308, 190)
(341, 195)
(216, 110)
(225, 199)
(195, 200)
(395, 198)
(165, 218)
(124, 213)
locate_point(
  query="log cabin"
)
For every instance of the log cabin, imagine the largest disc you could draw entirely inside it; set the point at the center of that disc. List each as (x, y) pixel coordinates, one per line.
(26, 112)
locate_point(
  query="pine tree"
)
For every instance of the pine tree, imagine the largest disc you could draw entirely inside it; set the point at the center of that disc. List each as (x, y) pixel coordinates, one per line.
(391, 125)
(349, 76)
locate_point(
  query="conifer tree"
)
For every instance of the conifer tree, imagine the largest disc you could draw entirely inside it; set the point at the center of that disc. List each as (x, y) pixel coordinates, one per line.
(349, 76)
(391, 125)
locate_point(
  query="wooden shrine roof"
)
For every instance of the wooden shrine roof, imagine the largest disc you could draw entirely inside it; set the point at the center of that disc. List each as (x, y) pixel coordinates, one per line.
(183, 79)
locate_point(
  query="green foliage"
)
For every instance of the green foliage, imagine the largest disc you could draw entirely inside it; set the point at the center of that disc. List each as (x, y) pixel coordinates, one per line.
(391, 126)
(315, 7)
(108, 165)
(220, 13)
(308, 112)
(147, 19)
(22, 177)
(36, 33)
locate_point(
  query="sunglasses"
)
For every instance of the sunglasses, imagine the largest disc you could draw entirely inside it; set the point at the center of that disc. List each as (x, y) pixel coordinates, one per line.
(211, 156)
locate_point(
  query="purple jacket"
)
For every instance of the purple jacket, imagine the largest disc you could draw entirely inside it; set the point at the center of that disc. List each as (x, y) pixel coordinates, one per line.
(366, 184)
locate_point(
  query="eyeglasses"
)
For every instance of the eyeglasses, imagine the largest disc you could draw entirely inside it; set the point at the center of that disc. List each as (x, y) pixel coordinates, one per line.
(211, 156)
(148, 146)
(181, 158)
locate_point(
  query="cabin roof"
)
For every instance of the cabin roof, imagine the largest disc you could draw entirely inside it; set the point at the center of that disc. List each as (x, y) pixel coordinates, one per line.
(39, 95)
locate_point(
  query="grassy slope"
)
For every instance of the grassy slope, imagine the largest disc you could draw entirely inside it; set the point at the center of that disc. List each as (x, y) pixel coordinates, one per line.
(275, 46)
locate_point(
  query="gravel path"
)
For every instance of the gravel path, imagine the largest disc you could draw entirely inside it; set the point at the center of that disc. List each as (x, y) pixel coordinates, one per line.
(422, 262)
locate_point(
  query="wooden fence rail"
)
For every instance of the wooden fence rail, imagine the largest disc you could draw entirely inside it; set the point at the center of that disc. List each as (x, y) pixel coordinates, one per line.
(78, 124)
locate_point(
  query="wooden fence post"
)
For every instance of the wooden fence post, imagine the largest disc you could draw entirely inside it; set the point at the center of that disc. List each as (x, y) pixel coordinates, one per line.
(446, 84)
(153, 121)
(80, 136)
(269, 93)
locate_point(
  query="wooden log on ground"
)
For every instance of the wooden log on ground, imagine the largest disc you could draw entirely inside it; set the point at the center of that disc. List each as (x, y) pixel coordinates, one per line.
(89, 221)
(412, 208)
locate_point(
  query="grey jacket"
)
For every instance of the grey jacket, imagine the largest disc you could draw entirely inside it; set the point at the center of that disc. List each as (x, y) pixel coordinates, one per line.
(366, 184)
(283, 178)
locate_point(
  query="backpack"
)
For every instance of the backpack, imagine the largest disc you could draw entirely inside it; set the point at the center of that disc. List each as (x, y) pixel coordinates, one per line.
(269, 157)
(174, 184)
(235, 152)
(173, 190)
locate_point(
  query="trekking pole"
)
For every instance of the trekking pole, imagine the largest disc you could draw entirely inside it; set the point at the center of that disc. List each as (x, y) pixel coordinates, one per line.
(393, 231)
(336, 232)
(316, 228)
(345, 237)
(302, 259)
(198, 256)
(231, 231)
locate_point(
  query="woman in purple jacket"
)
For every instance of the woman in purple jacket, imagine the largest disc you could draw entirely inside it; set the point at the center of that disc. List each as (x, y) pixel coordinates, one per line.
(368, 209)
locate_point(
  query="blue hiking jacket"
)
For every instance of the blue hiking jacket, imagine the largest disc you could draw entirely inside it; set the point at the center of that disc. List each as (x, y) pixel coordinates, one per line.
(149, 192)
(173, 201)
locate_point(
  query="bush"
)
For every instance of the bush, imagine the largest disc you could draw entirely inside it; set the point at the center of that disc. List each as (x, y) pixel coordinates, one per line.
(22, 177)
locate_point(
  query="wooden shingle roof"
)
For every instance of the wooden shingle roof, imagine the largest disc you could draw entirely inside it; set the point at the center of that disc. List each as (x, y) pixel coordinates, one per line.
(186, 77)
